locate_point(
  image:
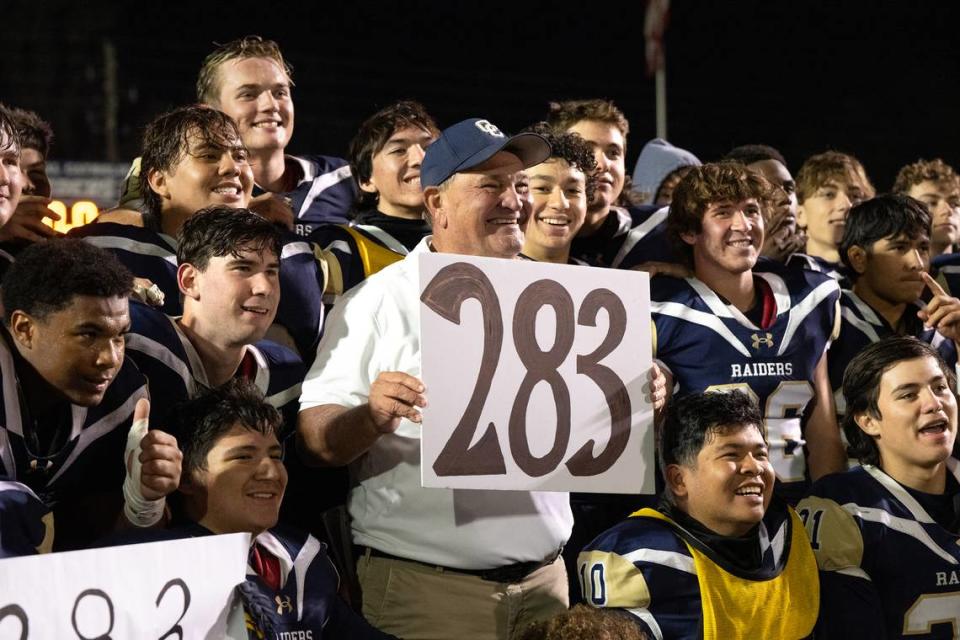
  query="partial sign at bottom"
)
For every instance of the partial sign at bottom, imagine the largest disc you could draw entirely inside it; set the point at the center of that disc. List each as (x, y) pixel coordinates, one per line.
(174, 589)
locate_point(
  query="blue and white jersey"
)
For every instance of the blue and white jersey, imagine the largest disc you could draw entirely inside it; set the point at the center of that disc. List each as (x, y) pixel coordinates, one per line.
(153, 255)
(324, 194)
(861, 326)
(307, 600)
(626, 238)
(92, 458)
(888, 569)
(835, 270)
(87, 469)
(175, 372)
(708, 345)
(146, 253)
(947, 269)
(26, 524)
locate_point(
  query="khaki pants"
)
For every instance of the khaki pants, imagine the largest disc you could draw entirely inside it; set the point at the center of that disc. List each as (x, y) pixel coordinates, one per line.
(420, 602)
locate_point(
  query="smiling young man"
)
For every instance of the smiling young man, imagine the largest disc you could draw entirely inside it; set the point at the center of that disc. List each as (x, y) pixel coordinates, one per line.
(11, 177)
(751, 325)
(26, 225)
(389, 217)
(614, 233)
(721, 557)
(234, 481)
(229, 276)
(70, 393)
(886, 534)
(193, 157)
(559, 190)
(886, 249)
(783, 236)
(249, 80)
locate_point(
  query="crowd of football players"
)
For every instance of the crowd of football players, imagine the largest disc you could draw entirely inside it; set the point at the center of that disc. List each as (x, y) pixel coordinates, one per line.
(235, 347)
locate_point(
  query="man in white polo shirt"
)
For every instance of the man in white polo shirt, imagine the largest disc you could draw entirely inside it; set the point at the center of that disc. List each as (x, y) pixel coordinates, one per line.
(435, 563)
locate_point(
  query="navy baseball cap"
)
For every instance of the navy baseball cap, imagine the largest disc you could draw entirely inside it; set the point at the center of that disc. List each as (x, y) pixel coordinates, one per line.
(472, 142)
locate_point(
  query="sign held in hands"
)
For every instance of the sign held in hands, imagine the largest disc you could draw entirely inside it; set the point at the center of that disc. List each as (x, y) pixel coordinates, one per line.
(535, 376)
(173, 589)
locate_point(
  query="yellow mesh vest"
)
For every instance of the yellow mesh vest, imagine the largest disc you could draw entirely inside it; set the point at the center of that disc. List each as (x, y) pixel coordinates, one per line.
(784, 607)
(373, 255)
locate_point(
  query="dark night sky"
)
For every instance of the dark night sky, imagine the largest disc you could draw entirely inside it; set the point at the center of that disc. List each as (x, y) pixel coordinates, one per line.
(876, 79)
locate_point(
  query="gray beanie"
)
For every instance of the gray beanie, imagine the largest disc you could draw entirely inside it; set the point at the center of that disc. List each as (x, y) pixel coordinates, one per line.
(657, 160)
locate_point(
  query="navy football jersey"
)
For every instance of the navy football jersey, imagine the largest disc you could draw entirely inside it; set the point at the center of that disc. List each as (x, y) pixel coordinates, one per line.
(708, 345)
(146, 253)
(153, 255)
(655, 569)
(324, 194)
(175, 372)
(626, 238)
(26, 524)
(835, 270)
(888, 569)
(87, 465)
(861, 326)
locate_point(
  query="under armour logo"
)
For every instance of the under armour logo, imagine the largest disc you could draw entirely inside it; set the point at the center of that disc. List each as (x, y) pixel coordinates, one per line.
(767, 339)
(283, 603)
(488, 128)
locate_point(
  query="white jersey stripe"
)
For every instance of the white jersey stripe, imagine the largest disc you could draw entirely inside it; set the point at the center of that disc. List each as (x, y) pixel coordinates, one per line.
(152, 348)
(638, 233)
(388, 240)
(863, 308)
(803, 309)
(101, 427)
(671, 559)
(781, 294)
(683, 312)
(133, 246)
(854, 572)
(647, 618)
(321, 184)
(865, 327)
(905, 526)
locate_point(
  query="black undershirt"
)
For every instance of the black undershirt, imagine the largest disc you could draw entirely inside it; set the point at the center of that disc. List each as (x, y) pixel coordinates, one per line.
(742, 552)
(408, 232)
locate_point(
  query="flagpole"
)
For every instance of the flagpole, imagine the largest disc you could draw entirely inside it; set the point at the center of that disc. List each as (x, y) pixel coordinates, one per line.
(661, 98)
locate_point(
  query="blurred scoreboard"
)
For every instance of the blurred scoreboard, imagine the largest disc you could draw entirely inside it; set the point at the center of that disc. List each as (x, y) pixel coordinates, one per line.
(81, 190)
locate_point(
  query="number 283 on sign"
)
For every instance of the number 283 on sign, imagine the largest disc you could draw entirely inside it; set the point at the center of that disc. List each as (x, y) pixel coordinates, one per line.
(535, 375)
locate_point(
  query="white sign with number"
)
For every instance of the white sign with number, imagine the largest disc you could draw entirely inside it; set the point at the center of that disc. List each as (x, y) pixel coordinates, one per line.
(536, 376)
(176, 589)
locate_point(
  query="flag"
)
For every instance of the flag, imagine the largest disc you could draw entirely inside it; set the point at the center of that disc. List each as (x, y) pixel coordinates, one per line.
(654, 27)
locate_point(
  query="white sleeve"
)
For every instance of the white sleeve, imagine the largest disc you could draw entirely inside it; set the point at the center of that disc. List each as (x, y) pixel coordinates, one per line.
(346, 362)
